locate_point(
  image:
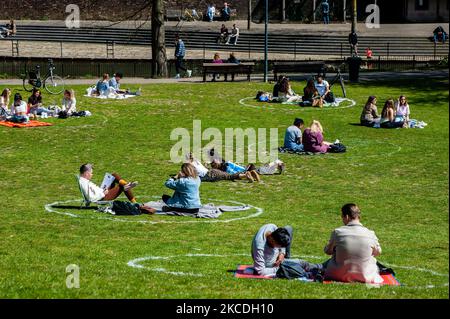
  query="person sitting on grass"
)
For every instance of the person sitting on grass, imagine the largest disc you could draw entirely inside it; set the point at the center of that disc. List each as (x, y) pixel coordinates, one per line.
(69, 102)
(186, 184)
(19, 110)
(114, 83)
(35, 105)
(388, 119)
(353, 248)
(323, 87)
(93, 193)
(286, 93)
(311, 95)
(276, 87)
(4, 104)
(402, 109)
(102, 87)
(271, 246)
(293, 136)
(313, 139)
(369, 115)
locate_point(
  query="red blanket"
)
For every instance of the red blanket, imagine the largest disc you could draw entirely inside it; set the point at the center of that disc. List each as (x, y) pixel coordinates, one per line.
(29, 124)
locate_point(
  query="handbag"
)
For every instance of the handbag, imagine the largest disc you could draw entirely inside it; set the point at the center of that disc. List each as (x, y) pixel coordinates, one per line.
(337, 148)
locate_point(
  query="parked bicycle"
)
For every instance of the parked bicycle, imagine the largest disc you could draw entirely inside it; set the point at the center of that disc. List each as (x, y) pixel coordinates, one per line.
(339, 78)
(52, 83)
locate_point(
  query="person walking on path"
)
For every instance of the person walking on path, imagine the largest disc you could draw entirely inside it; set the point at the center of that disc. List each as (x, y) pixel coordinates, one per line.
(180, 52)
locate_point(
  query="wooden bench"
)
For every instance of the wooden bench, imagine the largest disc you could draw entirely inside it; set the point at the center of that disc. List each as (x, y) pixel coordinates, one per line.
(228, 68)
(315, 67)
(173, 14)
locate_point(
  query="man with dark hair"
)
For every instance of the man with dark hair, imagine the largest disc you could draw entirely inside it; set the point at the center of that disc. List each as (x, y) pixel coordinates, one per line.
(293, 136)
(180, 52)
(353, 248)
(270, 246)
(93, 193)
(353, 41)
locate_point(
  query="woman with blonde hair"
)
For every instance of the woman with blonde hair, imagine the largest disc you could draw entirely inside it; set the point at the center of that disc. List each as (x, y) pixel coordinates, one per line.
(186, 185)
(313, 139)
(69, 102)
(388, 116)
(402, 108)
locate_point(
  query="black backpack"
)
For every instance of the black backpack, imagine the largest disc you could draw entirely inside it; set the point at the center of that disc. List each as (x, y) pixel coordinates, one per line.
(125, 208)
(337, 148)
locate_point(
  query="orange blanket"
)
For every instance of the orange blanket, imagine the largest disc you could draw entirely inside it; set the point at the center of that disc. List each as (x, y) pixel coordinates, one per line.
(29, 124)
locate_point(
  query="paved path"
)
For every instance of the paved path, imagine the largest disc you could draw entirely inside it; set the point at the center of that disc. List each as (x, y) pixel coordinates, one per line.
(369, 76)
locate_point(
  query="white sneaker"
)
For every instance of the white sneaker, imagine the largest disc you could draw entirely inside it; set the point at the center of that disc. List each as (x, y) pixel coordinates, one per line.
(189, 73)
(177, 76)
(130, 186)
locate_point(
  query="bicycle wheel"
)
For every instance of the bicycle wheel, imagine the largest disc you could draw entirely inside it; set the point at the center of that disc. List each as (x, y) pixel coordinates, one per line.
(28, 84)
(54, 84)
(341, 81)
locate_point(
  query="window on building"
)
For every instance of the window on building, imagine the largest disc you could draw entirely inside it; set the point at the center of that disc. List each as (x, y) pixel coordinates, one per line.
(422, 5)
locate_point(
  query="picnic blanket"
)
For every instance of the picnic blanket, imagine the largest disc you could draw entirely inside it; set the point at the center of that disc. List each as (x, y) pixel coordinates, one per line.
(206, 211)
(246, 271)
(28, 124)
(413, 123)
(338, 102)
(112, 96)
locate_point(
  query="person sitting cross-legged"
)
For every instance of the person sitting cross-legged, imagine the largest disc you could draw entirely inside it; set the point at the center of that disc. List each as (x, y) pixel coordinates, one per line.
(353, 248)
(186, 184)
(293, 136)
(94, 193)
(271, 246)
(323, 87)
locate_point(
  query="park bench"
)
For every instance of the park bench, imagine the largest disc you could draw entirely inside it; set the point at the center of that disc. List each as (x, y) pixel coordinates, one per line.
(303, 67)
(173, 14)
(228, 68)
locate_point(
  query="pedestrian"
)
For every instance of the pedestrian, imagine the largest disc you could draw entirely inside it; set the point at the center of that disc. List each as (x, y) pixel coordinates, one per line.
(180, 52)
(353, 41)
(325, 11)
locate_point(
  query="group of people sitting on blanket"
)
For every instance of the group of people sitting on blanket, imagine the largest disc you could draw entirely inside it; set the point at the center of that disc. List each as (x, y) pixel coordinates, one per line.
(352, 248)
(316, 92)
(394, 114)
(19, 111)
(107, 86)
(311, 140)
(186, 183)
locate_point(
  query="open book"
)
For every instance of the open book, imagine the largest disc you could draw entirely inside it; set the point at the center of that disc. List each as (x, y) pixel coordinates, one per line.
(107, 181)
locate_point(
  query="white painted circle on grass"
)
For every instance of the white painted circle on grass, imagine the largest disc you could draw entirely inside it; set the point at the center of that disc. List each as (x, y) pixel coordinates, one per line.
(129, 219)
(266, 105)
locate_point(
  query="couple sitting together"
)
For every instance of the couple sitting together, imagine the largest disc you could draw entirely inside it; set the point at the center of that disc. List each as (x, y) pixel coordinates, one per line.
(393, 115)
(310, 141)
(109, 86)
(352, 247)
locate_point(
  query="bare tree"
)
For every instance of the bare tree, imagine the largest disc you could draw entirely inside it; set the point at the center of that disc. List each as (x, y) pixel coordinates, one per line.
(159, 57)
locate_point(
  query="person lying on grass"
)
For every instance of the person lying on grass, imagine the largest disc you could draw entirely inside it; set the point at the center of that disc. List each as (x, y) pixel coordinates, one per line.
(215, 174)
(353, 248)
(93, 193)
(313, 139)
(186, 184)
(271, 246)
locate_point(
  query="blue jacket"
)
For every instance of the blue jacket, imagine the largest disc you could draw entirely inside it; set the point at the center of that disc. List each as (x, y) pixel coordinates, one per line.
(186, 194)
(180, 50)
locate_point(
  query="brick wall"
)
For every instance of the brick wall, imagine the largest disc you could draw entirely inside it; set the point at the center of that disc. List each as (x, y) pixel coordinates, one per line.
(112, 10)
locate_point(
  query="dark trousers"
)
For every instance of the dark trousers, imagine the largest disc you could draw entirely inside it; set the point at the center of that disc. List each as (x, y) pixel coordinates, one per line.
(165, 198)
(389, 124)
(179, 64)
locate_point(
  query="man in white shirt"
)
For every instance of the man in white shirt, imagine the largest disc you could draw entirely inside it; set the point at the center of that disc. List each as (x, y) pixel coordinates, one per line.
(234, 35)
(93, 193)
(353, 248)
(323, 87)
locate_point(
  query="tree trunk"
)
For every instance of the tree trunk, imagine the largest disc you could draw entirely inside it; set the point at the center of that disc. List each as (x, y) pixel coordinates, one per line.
(159, 57)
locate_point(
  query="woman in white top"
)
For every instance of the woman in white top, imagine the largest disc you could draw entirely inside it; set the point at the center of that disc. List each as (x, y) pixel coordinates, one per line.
(19, 109)
(4, 102)
(69, 103)
(402, 108)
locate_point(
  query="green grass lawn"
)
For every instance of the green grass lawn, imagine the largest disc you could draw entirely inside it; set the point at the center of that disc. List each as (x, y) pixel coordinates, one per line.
(399, 178)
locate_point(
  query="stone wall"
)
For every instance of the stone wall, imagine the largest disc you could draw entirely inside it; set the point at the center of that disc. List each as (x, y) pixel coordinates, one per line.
(112, 10)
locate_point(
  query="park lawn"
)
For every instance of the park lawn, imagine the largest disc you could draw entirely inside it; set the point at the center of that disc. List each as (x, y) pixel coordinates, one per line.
(399, 178)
